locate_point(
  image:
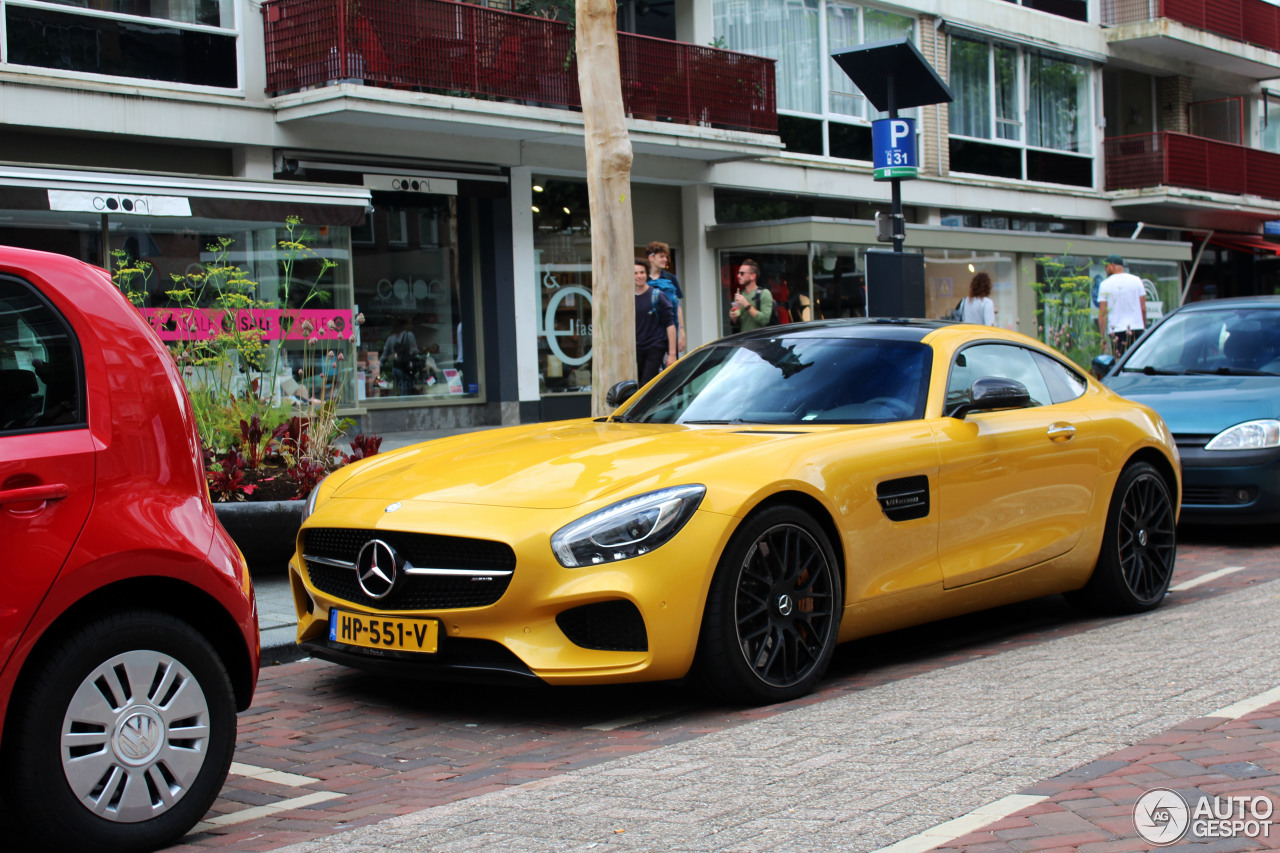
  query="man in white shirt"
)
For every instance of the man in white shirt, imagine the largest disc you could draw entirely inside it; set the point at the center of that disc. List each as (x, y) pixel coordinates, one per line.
(1122, 307)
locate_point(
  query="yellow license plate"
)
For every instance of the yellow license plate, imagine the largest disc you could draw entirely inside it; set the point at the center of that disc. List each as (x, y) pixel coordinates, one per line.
(384, 632)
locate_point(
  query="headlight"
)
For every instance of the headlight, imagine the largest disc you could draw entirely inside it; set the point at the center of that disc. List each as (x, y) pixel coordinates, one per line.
(1251, 435)
(310, 506)
(627, 529)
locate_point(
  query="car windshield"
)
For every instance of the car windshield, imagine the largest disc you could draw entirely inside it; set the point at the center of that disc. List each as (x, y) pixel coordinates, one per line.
(1240, 340)
(800, 380)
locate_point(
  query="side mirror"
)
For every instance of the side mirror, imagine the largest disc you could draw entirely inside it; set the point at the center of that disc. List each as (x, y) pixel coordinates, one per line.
(1101, 365)
(621, 392)
(993, 392)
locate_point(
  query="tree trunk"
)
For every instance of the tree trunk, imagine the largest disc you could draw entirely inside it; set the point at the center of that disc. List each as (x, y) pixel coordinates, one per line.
(609, 189)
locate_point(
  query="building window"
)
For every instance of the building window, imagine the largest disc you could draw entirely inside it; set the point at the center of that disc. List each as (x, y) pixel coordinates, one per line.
(994, 131)
(1269, 121)
(1077, 10)
(562, 244)
(821, 111)
(418, 310)
(192, 42)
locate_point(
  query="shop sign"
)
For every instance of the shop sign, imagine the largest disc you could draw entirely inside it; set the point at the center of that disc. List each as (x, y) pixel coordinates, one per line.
(202, 324)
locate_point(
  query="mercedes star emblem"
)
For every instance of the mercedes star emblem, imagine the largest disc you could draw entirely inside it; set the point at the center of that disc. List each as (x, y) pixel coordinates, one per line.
(377, 567)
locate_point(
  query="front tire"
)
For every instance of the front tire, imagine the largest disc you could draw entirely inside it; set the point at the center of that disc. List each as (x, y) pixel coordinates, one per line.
(773, 611)
(122, 735)
(1139, 545)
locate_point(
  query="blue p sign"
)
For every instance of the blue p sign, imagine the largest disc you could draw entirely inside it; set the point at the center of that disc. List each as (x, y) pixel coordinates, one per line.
(893, 147)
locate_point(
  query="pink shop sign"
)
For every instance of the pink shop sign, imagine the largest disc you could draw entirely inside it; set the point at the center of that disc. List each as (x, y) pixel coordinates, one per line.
(202, 324)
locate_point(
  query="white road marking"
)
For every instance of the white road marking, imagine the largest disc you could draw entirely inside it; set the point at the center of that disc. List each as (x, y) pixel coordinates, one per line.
(268, 810)
(266, 774)
(1211, 576)
(1247, 706)
(972, 822)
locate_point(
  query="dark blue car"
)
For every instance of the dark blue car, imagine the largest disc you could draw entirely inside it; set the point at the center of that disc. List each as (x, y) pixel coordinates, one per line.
(1212, 371)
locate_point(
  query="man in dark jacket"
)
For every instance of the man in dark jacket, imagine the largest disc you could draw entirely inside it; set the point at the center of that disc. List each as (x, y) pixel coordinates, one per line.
(655, 327)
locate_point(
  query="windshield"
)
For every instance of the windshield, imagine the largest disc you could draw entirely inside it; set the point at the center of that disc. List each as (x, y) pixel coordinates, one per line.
(1232, 340)
(799, 380)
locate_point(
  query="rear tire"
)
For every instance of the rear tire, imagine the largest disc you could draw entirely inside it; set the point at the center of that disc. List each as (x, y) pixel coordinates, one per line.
(1139, 546)
(122, 734)
(773, 611)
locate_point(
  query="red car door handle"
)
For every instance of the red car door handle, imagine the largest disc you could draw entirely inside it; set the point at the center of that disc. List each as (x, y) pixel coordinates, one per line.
(31, 494)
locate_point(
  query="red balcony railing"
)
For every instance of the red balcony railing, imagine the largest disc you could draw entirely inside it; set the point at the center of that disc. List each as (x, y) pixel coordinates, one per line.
(1179, 160)
(471, 51)
(1249, 21)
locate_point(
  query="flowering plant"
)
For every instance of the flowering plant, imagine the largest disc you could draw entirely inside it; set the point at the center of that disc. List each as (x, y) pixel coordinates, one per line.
(268, 432)
(1065, 317)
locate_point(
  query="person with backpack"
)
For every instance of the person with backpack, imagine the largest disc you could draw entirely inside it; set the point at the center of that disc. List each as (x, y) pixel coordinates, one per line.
(399, 351)
(752, 306)
(655, 327)
(659, 255)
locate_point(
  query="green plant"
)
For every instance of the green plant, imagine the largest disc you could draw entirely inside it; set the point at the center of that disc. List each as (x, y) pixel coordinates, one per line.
(243, 394)
(1065, 317)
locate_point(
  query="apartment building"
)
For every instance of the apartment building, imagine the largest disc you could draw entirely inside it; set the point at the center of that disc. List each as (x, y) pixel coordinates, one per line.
(434, 153)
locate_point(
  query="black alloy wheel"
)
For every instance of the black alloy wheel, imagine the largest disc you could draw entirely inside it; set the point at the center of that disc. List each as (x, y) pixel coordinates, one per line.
(1138, 548)
(774, 609)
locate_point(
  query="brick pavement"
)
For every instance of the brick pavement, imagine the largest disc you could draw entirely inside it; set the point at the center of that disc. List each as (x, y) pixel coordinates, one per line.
(363, 749)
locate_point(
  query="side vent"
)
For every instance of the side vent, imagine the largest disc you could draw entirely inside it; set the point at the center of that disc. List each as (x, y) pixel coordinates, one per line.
(905, 498)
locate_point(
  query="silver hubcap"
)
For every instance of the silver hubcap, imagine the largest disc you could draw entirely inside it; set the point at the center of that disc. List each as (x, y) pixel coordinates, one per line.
(135, 736)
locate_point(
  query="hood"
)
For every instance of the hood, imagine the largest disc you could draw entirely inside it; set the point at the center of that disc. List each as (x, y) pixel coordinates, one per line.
(1202, 405)
(543, 466)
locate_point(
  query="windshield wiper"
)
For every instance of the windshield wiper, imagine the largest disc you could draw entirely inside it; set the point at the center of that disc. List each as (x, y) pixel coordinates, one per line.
(1233, 371)
(733, 421)
(1148, 370)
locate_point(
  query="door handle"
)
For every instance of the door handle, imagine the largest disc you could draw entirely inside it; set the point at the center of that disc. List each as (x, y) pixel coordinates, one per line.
(1061, 432)
(34, 494)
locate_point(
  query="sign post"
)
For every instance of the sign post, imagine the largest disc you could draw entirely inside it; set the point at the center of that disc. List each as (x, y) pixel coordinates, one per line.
(894, 75)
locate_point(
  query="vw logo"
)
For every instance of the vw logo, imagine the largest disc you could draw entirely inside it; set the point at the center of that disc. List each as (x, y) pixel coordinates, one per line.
(377, 567)
(138, 736)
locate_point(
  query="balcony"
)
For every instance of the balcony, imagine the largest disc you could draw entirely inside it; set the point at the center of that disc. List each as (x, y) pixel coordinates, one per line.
(1213, 33)
(466, 51)
(1191, 162)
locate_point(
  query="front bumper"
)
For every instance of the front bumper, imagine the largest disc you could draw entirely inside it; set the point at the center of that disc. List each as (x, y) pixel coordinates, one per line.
(631, 620)
(1229, 487)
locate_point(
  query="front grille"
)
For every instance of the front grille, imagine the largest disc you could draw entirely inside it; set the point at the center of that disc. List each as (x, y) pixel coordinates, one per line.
(1192, 442)
(615, 626)
(424, 550)
(1218, 495)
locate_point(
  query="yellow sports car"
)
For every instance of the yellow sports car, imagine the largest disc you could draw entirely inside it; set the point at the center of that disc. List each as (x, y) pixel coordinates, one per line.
(768, 496)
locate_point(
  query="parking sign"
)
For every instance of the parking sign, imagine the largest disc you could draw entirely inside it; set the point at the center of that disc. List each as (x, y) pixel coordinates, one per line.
(893, 144)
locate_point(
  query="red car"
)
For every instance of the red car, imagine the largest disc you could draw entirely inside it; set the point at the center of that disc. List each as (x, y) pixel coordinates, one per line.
(128, 626)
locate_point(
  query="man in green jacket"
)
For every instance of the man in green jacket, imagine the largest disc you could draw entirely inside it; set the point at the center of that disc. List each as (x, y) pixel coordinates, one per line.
(752, 304)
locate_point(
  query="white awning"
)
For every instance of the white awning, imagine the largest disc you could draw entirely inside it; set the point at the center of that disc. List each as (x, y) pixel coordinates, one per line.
(140, 194)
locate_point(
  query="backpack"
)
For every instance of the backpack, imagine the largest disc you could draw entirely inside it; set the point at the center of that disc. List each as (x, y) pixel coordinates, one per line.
(956, 315)
(776, 317)
(403, 357)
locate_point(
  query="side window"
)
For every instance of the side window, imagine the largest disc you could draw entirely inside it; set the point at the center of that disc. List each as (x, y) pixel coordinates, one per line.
(1003, 360)
(1064, 383)
(41, 384)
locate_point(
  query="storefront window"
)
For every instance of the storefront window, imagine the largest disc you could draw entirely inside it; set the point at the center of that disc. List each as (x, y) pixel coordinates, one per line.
(839, 283)
(562, 244)
(418, 316)
(948, 276)
(784, 271)
(278, 267)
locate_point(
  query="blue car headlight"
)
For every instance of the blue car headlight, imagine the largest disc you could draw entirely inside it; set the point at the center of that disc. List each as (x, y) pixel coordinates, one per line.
(1250, 435)
(627, 529)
